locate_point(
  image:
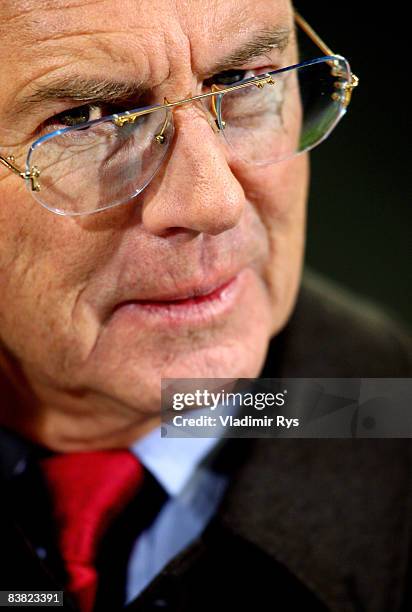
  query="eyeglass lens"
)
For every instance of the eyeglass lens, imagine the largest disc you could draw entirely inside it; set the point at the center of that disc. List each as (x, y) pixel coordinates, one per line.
(99, 166)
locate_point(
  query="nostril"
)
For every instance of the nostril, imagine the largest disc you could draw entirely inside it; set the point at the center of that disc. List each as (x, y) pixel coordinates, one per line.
(172, 232)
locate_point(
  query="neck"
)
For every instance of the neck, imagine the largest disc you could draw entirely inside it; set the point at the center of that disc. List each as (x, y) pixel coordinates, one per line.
(66, 422)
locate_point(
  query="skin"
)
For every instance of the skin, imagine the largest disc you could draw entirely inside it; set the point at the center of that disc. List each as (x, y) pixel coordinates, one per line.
(72, 376)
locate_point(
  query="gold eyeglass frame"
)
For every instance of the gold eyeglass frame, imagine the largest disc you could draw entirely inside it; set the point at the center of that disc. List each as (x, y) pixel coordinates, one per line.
(33, 174)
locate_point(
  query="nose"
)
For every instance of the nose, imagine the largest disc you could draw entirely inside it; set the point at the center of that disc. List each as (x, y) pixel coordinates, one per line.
(196, 189)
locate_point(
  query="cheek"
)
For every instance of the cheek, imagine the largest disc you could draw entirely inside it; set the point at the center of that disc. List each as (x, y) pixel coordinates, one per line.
(278, 196)
(45, 261)
(279, 191)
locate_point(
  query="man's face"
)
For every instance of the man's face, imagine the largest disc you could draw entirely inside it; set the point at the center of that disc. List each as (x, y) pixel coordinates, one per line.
(89, 321)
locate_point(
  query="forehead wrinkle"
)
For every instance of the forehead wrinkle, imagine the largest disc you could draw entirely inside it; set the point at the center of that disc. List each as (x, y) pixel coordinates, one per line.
(110, 55)
(10, 9)
(220, 32)
(70, 34)
(45, 23)
(30, 17)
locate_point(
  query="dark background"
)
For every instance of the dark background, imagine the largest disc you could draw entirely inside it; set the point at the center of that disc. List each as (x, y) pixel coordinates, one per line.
(359, 216)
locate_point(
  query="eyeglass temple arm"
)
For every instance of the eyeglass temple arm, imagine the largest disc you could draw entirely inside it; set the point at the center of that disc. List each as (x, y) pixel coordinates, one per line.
(32, 175)
(315, 38)
(9, 163)
(302, 23)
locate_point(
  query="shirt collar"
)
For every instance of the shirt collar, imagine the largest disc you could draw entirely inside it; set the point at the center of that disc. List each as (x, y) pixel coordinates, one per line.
(173, 461)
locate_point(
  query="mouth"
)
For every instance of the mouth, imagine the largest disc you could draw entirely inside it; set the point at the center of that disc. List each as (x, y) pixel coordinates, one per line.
(195, 296)
(198, 304)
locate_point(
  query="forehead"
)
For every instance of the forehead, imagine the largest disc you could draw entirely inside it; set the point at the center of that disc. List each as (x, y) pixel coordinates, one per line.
(124, 30)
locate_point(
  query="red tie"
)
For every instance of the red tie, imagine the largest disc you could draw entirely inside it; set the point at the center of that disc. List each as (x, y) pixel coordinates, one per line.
(88, 491)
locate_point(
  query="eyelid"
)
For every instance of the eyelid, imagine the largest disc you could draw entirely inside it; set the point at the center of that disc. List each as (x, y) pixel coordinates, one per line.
(249, 73)
(105, 109)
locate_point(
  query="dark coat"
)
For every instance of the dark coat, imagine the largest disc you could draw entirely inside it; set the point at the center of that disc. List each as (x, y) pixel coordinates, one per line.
(305, 525)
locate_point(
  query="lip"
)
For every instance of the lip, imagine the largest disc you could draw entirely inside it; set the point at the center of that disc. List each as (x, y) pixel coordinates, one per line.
(196, 294)
(195, 305)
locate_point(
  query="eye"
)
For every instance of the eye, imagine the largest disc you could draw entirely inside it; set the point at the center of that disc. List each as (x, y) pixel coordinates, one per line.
(228, 77)
(73, 117)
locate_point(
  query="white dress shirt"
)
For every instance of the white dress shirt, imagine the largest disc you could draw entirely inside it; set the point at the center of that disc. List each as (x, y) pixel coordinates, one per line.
(195, 492)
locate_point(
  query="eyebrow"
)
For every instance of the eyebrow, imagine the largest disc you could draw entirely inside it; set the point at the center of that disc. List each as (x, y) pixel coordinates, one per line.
(80, 90)
(94, 90)
(264, 42)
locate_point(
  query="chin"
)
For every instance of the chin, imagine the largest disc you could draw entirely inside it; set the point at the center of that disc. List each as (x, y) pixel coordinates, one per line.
(136, 383)
(134, 355)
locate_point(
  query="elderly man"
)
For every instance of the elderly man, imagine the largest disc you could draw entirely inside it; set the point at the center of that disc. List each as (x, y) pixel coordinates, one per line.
(153, 182)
